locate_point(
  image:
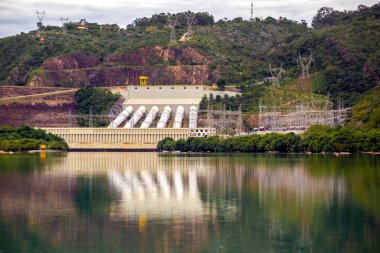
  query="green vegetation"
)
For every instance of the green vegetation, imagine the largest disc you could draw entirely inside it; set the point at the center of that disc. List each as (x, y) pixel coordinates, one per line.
(345, 46)
(366, 114)
(161, 20)
(327, 16)
(94, 101)
(27, 138)
(316, 139)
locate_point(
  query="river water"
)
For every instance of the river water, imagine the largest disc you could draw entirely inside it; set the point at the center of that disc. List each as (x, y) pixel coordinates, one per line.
(153, 202)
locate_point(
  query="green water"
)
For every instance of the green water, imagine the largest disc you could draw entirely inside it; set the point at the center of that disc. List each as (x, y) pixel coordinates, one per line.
(149, 202)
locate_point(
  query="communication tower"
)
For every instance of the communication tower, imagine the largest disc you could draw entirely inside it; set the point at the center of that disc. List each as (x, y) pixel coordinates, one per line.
(252, 10)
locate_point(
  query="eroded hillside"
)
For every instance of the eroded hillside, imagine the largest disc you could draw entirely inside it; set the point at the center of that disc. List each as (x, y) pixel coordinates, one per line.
(162, 65)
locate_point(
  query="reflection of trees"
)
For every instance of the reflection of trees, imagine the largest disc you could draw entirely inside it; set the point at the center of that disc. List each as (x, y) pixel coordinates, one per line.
(92, 196)
(26, 163)
(288, 204)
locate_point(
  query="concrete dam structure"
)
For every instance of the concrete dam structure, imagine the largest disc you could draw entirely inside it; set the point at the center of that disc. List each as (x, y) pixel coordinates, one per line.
(124, 138)
(148, 115)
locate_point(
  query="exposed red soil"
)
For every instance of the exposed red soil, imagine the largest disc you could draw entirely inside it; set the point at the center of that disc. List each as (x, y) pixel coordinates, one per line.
(23, 91)
(161, 65)
(51, 111)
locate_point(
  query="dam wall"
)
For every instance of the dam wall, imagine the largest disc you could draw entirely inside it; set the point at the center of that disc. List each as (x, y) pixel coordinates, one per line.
(124, 138)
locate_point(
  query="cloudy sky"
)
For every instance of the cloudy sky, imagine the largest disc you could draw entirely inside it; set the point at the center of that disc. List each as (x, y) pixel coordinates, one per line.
(19, 15)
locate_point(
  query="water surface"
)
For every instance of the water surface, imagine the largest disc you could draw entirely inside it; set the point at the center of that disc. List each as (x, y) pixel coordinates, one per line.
(149, 202)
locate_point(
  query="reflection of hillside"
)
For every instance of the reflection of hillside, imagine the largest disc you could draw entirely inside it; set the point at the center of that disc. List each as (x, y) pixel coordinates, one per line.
(297, 185)
(37, 196)
(290, 195)
(167, 202)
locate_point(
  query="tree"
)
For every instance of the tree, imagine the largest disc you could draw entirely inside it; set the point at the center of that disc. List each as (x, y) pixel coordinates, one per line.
(94, 101)
(221, 83)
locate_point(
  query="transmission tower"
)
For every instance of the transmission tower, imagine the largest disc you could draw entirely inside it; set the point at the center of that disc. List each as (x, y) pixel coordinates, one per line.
(64, 21)
(172, 24)
(275, 75)
(305, 64)
(40, 15)
(190, 23)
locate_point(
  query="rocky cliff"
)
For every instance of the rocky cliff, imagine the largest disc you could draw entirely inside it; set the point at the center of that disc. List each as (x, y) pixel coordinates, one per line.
(161, 65)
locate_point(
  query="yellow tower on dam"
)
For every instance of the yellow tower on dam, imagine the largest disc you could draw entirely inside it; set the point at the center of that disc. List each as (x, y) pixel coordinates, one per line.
(143, 80)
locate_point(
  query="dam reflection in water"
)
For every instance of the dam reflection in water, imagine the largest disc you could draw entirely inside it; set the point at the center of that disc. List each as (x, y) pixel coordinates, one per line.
(157, 195)
(153, 185)
(181, 202)
(164, 185)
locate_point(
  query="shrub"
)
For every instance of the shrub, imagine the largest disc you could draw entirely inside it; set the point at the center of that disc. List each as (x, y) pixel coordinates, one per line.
(316, 139)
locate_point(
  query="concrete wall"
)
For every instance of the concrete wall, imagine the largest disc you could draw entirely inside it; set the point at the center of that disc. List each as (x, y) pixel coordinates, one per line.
(165, 91)
(123, 138)
(161, 96)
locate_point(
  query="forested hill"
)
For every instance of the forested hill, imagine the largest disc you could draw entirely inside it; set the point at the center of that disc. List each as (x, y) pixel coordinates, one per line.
(345, 46)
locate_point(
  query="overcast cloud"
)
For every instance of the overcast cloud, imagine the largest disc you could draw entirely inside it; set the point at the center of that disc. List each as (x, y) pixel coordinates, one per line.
(19, 16)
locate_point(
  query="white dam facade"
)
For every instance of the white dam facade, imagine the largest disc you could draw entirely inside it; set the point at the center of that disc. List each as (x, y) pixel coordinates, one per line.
(149, 114)
(124, 138)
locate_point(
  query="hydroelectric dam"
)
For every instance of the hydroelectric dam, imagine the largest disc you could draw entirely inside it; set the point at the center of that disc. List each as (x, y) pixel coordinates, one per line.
(123, 138)
(148, 115)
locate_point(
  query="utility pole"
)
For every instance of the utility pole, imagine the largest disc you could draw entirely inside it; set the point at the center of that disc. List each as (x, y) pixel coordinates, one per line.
(224, 119)
(275, 75)
(240, 121)
(208, 115)
(172, 24)
(64, 21)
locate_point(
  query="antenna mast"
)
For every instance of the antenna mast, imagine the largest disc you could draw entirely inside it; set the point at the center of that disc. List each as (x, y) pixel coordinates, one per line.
(64, 21)
(252, 10)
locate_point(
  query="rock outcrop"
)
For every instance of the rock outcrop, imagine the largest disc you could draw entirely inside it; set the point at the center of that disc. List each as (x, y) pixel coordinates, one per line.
(72, 61)
(162, 66)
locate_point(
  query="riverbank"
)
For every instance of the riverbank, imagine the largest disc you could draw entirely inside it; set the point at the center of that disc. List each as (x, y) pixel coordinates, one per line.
(25, 138)
(317, 139)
